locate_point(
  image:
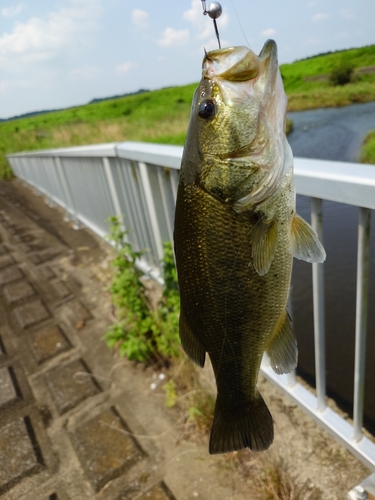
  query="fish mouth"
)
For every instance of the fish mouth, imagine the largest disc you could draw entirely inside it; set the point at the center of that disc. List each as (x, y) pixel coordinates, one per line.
(235, 64)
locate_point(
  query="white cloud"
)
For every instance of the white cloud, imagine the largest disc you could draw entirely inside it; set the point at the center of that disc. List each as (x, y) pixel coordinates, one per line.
(268, 32)
(203, 25)
(320, 17)
(11, 11)
(6, 85)
(313, 41)
(347, 14)
(140, 19)
(85, 72)
(125, 67)
(342, 34)
(312, 4)
(43, 39)
(171, 37)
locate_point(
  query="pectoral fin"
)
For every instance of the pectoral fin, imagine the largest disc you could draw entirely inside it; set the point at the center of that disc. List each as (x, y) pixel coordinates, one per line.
(282, 349)
(192, 347)
(264, 244)
(305, 244)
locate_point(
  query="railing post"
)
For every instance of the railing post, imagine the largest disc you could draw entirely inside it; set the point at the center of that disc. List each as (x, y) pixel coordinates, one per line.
(318, 301)
(361, 319)
(113, 192)
(48, 195)
(112, 187)
(151, 208)
(68, 195)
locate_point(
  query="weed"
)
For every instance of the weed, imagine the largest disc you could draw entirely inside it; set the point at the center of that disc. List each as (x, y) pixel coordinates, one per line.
(368, 148)
(192, 394)
(271, 478)
(143, 332)
(171, 393)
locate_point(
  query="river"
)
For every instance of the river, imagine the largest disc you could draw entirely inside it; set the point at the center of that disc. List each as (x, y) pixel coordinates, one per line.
(335, 134)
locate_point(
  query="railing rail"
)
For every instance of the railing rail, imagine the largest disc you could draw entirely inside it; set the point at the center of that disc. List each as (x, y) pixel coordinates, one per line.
(139, 181)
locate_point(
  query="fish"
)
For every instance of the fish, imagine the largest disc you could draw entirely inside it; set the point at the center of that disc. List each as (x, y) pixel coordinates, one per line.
(235, 235)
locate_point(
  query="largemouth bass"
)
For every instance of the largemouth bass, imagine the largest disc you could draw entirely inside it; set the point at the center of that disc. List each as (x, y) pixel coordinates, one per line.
(236, 233)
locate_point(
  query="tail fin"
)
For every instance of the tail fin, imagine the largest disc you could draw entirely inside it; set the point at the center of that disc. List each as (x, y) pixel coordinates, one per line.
(248, 427)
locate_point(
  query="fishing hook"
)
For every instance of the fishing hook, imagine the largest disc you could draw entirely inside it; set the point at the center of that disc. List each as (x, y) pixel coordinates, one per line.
(214, 11)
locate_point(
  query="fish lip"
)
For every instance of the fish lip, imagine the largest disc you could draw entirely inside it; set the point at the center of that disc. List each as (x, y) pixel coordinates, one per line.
(235, 64)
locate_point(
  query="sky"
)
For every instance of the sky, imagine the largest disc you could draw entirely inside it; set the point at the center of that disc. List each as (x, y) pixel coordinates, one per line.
(61, 53)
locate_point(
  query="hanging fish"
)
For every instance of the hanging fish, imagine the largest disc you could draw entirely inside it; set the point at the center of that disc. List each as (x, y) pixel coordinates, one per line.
(236, 233)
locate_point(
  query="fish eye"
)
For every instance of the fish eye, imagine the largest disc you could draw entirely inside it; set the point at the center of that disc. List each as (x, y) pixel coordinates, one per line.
(206, 109)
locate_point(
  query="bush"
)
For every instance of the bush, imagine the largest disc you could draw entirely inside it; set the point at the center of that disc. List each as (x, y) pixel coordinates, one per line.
(143, 332)
(342, 74)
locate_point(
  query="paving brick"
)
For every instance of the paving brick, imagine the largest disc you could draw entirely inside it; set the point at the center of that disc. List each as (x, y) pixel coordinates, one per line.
(49, 254)
(3, 249)
(46, 414)
(10, 274)
(105, 448)
(30, 313)
(77, 312)
(2, 349)
(6, 261)
(26, 248)
(70, 384)
(19, 451)
(47, 343)
(26, 238)
(36, 259)
(47, 272)
(17, 238)
(158, 492)
(8, 388)
(14, 292)
(62, 290)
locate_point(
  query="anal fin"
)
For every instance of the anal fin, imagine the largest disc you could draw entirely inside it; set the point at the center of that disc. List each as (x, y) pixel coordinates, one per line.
(192, 347)
(282, 349)
(264, 245)
(305, 244)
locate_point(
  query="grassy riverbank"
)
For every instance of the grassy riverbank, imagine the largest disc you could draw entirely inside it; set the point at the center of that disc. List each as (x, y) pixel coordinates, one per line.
(368, 150)
(163, 115)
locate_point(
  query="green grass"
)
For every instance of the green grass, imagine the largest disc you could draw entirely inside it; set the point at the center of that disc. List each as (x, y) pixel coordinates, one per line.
(296, 75)
(368, 148)
(162, 116)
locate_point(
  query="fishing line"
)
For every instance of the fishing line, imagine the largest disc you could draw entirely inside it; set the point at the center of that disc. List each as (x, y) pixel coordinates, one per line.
(239, 22)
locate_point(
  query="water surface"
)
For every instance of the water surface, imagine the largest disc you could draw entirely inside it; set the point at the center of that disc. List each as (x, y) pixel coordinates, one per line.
(335, 134)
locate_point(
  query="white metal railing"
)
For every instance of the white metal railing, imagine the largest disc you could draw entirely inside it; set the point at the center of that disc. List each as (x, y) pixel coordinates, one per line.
(139, 181)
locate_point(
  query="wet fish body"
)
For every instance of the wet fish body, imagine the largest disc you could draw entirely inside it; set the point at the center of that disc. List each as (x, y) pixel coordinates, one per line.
(236, 232)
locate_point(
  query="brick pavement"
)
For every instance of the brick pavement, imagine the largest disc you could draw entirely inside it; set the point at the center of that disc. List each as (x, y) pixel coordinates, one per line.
(61, 434)
(77, 422)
